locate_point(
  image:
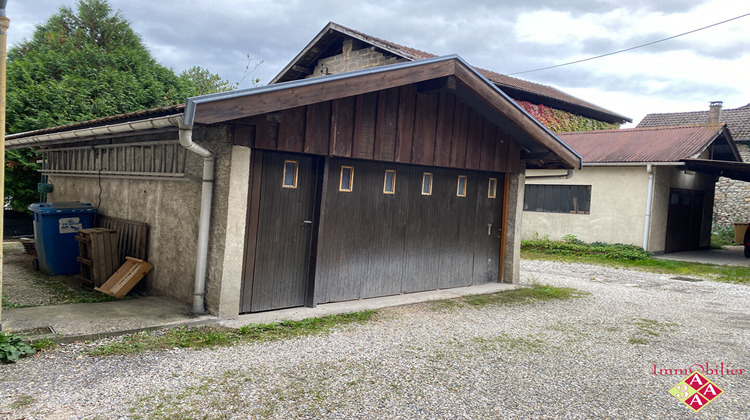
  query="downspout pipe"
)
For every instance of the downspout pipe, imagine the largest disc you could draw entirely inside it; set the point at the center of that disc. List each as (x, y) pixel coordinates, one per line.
(199, 292)
(649, 199)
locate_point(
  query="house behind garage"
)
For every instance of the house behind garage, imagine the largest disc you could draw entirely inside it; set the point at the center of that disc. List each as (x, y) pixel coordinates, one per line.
(634, 188)
(732, 199)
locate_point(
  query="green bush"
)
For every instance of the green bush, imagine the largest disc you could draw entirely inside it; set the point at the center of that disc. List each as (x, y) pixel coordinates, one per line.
(722, 235)
(572, 246)
(13, 348)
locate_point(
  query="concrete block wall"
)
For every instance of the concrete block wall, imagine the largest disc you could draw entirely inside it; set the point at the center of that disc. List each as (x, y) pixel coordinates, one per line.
(732, 203)
(352, 59)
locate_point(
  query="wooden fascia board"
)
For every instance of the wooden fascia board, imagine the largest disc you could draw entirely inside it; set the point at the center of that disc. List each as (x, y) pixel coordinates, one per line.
(302, 53)
(724, 133)
(318, 90)
(520, 119)
(730, 141)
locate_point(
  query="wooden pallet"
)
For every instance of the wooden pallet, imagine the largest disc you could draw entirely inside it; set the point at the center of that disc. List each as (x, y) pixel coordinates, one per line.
(132, 236)
(125, 277)
(97, 255)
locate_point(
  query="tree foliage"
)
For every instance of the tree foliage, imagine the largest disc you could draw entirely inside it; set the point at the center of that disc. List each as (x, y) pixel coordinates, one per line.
(85, 65)
(79, 66)
(205, 82)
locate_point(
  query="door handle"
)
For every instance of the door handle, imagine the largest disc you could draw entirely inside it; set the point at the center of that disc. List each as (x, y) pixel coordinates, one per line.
(307, 222)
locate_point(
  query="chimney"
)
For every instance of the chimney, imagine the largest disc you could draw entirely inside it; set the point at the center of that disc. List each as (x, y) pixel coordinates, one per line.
(714, 112)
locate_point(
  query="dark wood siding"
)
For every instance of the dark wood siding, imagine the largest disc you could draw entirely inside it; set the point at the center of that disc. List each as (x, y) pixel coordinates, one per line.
(375, 244)
(400, 125)
(281, 258)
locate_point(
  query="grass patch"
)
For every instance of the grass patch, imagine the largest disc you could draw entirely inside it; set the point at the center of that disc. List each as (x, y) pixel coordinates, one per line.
(525, 295)
(213, 336)
(647, 329)
(529, 344)
(7, 304)
(22, 401)
(626, 257)
(70, 295)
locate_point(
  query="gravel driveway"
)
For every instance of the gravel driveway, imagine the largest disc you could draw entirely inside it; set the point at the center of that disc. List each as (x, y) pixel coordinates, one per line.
(590, 357)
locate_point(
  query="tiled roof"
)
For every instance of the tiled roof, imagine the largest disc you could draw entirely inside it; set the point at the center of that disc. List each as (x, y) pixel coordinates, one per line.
(737, 119)
(499, 79)
(647, 145)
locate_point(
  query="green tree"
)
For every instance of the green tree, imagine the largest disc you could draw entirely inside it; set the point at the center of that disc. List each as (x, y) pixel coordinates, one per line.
(79, 66)
(205, 82)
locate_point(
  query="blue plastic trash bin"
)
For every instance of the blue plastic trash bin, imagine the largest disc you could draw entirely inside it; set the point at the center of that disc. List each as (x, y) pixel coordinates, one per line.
(55, 228)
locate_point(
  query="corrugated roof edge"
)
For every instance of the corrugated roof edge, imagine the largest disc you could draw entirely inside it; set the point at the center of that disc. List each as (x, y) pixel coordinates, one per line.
(654, 128)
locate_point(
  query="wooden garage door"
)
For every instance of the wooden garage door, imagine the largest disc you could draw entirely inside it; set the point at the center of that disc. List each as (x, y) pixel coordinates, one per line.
(279, 267)
(436, 228)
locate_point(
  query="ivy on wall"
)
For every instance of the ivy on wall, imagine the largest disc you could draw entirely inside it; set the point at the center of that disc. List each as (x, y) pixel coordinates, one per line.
(559, 121)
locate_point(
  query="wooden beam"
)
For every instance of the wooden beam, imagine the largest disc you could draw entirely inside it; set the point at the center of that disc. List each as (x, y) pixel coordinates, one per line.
(317, 91)
(423, 147)
(318, 128)
(342, 127)
(242, 135)
(446, 111)
(292, 129)
(364, 126)
(385, 134)
(301, 69)
(459, 135)
(405, 130)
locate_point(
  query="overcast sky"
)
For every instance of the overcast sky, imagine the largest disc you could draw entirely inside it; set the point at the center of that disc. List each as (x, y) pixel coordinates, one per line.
(505, 36)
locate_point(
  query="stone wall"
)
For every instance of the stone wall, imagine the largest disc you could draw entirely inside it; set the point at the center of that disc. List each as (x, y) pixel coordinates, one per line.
(732, 203)
(352, 59)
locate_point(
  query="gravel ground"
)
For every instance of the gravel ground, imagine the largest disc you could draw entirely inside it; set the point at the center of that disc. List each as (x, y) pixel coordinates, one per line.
(590, 357)
(23, 286)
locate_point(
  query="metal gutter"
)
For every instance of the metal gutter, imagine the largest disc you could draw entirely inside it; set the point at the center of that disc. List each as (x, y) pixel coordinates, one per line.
(633, 163)
(17, 140)
(567, 175)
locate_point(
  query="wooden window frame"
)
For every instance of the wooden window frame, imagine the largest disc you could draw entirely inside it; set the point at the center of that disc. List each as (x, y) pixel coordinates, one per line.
(296, 174)
(458, 185)
(492, 188)
(393, 182)
(351, 179)
(424, 176)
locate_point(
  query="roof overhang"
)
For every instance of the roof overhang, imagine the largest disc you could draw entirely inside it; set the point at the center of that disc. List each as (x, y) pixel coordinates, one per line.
(734, 170)
(459, 77)
(467, 84)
